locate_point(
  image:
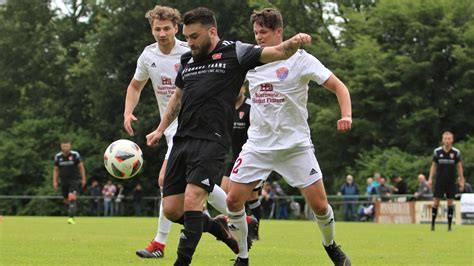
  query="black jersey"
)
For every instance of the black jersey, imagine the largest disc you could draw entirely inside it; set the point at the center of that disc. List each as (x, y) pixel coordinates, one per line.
(67, 164)
(241, 126)
(211, 87)
(446, 164)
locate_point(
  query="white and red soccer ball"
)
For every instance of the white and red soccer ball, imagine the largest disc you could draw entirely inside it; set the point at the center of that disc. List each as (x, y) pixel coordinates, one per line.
(123, 159)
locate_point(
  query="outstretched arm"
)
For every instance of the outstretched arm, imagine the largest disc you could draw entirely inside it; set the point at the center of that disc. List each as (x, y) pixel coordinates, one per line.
(285, 49)
(131, 100)
(171, 113)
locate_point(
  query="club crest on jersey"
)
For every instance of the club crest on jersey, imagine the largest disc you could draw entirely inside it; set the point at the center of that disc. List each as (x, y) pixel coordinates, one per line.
(241, 115)
(176, 67)
(282, 73)
(70, 158)
(166, 81)
(266, 87)
(451, 155)
(217, 56)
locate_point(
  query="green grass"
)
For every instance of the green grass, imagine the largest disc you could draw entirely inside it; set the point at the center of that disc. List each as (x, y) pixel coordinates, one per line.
(113, 241)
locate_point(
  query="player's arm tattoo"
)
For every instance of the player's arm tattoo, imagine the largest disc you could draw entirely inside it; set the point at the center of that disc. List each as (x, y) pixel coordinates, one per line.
(174, 112)
(288, 49)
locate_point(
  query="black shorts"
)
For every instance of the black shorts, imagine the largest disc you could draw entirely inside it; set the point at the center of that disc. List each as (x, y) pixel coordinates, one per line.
(70, 187)
(441, 188)
(195, 161)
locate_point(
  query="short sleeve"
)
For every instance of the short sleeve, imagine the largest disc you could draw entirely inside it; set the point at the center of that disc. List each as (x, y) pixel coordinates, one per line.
(179, 79)
(435, 157)
(56, 161)
(141, 72)
(458, 157)
(313, 69)
(77, 159)
(248, 55)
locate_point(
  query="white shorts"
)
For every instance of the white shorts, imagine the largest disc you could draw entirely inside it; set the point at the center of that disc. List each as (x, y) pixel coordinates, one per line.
(298, 166)
(169, 142)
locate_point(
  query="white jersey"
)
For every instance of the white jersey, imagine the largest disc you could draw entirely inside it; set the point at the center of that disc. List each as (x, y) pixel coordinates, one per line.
(279, 94)
(162, 70)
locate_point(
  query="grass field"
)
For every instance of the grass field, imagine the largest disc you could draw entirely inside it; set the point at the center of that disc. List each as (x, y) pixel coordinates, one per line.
(113, 241)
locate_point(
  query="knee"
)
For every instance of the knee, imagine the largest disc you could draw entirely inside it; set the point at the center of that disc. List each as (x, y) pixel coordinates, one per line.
(171, 213)
(321, 209)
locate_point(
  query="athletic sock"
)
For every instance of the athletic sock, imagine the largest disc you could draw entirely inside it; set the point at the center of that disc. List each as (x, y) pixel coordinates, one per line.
(450, 216)
(164, 226)
(217, 198)
(238, 226)
(72, 208)
(255, 209)
(434, 212)
(327, 226)
(190, 236)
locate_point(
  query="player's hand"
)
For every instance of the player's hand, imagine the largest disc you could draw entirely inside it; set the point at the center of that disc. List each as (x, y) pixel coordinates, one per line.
(344, 124)
(430, 183)
(153, 138)
(55, 185)
(299, 39)
(127, 123)
(461, 187)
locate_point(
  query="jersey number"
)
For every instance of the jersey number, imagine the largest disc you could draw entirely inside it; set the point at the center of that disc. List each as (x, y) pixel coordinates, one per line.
(235, 170)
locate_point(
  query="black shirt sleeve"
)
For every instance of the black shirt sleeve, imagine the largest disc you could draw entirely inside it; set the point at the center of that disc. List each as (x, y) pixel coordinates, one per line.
(435, 157)
(248, 55)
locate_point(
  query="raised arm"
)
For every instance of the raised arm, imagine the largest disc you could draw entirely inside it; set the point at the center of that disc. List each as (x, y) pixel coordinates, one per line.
(285, 49)
(344, 99)
(171, 113)
(134, 90)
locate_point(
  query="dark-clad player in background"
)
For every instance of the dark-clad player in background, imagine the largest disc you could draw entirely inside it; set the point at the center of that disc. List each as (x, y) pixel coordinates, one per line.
(239, 137)
(446, 162)
(69, 167)
(207, 87)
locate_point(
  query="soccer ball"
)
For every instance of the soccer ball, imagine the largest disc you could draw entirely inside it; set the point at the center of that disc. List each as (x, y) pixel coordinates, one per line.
(123, 159)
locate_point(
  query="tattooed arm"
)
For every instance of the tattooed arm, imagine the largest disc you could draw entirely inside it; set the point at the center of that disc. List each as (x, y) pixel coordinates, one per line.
(171, 113)
(285, 49)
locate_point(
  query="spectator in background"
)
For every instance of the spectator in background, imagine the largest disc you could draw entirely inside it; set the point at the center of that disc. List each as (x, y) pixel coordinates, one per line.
(377, 180)
(424, 190)
(108, 191)
(382, 191)
(268, 201)
(282, 201)
(400, 186)
(295, 208)
(119, 197)
(349, 190)
(370, 186)
(137, 195)
(95, 192)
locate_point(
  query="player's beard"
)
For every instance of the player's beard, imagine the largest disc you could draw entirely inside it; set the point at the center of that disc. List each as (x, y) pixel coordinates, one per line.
(203, 51)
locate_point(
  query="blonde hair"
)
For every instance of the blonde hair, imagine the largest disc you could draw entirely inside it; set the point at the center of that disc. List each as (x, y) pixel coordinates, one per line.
(163, 13)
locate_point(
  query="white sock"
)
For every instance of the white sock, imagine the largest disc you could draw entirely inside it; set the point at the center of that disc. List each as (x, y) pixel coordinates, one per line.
(164, 226)
(217, 198)
(239, 228)
(327, 226)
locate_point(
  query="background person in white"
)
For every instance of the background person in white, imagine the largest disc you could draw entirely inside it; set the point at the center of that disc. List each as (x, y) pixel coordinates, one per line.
(160, 62)
(279, 136)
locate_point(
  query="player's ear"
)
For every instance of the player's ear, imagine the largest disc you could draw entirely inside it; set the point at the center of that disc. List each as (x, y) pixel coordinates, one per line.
(279, 31)
(212, 31)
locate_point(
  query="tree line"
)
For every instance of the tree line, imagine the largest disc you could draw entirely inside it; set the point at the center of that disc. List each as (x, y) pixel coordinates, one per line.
(409, 66)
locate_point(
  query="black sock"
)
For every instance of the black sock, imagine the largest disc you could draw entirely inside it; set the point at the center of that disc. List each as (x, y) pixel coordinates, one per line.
(450, 215)
(210, 225)
(255, 209)
(180, 220)
(72, 208)
(434, 212)
(190, 236)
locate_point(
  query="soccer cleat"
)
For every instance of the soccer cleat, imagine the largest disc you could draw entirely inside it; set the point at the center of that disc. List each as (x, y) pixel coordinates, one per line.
(241, 261)
(227, 236)
(337, 255)
(154, 250)
(71, 221)
(253, 229)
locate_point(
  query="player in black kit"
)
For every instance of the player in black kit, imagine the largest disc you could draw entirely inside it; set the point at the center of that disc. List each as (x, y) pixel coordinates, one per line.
(207, 86)
(446, 161)
(69, 167)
